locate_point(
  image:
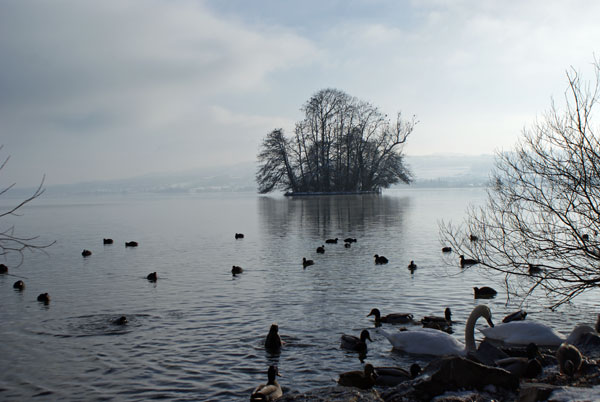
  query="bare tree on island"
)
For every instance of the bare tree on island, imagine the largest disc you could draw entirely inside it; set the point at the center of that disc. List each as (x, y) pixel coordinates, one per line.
(541, 221)
(342, 145)
(10, 243)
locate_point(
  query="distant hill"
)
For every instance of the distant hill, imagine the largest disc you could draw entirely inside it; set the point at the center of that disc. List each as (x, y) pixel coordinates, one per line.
(429, 171)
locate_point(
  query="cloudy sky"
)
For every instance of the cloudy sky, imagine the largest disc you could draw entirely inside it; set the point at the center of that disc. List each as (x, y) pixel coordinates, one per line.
(108, 89)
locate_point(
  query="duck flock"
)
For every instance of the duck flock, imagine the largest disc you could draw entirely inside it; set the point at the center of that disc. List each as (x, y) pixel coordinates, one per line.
(512, 346)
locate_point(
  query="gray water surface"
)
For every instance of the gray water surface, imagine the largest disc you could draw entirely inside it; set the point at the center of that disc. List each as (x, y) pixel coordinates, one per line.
(198, 333)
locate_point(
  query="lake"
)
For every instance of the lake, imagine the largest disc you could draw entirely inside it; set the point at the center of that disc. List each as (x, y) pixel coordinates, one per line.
(198, 332)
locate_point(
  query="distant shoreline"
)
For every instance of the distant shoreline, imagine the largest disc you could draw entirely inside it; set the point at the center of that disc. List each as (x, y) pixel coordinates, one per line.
(305, 194)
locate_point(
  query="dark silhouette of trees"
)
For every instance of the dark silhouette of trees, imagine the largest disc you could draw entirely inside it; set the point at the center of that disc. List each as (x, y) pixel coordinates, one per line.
(10, 243)
(541, 221)
(342, 145)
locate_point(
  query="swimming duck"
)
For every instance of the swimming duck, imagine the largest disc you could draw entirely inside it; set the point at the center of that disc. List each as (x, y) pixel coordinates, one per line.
(306, 263)
(392, 376)
(236, 270)
(321, 249)
(44, 298)
(379, 259)
(349, 240)
(394, 318)
(523, 367)
(516, 316)
(269, 391)
(347, 245)
(107, 241)
(412, 266)
(534, 269)
(273, 341)
(121, 320)
(239, 235)
(352, 342)
(447, 318)
(152, 277)
(569, 359)
(20, 285)
(484, 293)
(427, 341)
(446, 249)
(3, 269)
(525, 332)
(359, 379)
(332, 241)
(131, 244)
(86, 253)
(464, 262)
(472, 237)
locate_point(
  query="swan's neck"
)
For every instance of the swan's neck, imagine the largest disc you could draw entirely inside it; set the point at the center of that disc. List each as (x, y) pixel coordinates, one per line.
(470, 329)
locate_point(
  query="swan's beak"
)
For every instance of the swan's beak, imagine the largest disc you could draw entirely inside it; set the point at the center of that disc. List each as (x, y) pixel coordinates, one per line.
(490, 323)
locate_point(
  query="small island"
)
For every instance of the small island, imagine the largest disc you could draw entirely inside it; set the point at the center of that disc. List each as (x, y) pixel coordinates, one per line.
(342, 146)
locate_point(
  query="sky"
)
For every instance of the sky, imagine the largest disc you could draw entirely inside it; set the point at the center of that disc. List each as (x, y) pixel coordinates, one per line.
(98, 90)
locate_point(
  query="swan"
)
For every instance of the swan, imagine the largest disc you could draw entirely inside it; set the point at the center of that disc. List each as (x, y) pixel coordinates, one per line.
(359, 379)
(269, 391)
(427, 341)
(525, 332)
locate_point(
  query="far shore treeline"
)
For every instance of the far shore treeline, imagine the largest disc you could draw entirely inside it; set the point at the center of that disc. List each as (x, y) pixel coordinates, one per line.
(343, 144)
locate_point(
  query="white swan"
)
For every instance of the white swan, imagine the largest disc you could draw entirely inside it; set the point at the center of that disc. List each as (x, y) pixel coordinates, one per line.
(427, 341)
(525, 332)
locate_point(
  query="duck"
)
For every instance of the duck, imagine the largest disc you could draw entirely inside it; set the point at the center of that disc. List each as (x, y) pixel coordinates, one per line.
(122, 320)
(3, 269)
(332, 241)
(525, 332)
(86, 253)
(446, 249)
(360, 379)
(321, 249)
(44, 298)
(412, 266)
(152, 277)
(439, 325)
(472, 237)
(484, 292)
(569, 359)
(236, 270)
(347, 245)
(523, 367)
(131, 244)
(306, 263)
(239, 235)
(351, 342)
(273, 341)
(427, 341)
(516, 316)
(269, 391)
(464, 262)
(349, 240)
(394, 318)
(447, 318)
(392, 376)
(107, 241)
(533, 269)
(379, 259)
(19, 285)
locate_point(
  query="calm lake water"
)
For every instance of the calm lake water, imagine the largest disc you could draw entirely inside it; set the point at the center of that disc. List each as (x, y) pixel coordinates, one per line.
(198, 333)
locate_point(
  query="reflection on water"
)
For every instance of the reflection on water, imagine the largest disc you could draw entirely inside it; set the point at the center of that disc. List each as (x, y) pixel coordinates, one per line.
(198, 333)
